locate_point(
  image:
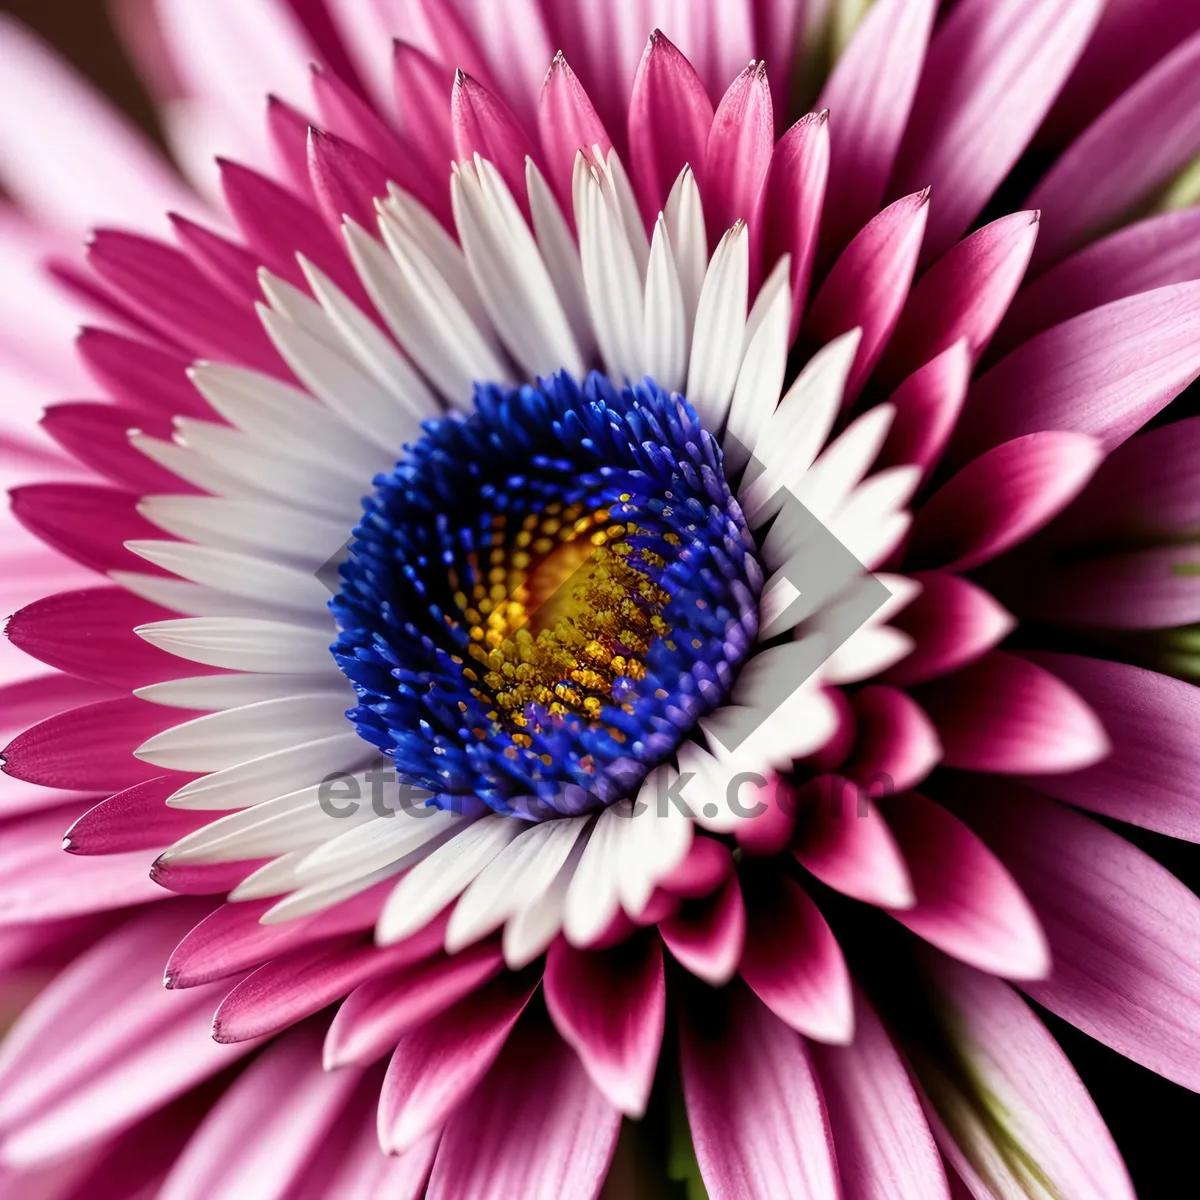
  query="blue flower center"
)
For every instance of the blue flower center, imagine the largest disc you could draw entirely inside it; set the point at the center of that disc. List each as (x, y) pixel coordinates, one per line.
(543, 597)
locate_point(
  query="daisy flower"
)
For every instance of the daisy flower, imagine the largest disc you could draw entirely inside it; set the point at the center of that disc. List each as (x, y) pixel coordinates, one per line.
(622, 551)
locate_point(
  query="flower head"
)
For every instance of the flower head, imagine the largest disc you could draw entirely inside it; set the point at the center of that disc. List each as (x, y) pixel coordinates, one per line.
(594, 560)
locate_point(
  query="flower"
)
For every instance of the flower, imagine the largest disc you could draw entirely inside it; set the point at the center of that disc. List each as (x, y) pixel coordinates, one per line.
(667, 448)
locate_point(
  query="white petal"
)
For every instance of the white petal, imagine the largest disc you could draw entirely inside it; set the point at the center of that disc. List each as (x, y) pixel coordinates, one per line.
(667, 338)
(521, 872)
(217, 692)
(440, 878)
(529, 932)
(224, 739)
(197, 469)
(198, 600)
(718, 339)
(379, 842)
(592, 899)
(866, 524)
(868, 651)
(843, 465)
(689, 239)
(658, 840)
(242, 644)
(318, 897)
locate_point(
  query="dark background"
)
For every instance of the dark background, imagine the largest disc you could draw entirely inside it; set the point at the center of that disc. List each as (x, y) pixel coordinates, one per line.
(1156, 1124)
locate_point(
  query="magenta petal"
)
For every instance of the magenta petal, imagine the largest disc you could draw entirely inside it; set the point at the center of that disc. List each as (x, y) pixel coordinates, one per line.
(1150, 589)
(610, 1008)
(346, 180)
(963, 295)
(1001, 498)
(884, 1147)
(347, 116)
(98, 436)
(1152, 776)
(91, 748)
(168, 291)
(1020, 1071)
(231, 939)
(1149, 254)
(670, 116)
(423, 89)
(952, 622)
(90, 633)
(739, 150)
(1104, 373)
(869, 94)
(567, 123)
(139, 375)
(1144, 491)
(869, 283)
(707, 865)
(993, 69)
(297, 985)
(1136, 146)
(897, 745)
(288, 129)
(483, 124)
(927, 407)
(202, 879)
(232, 267)
(534, 1128)
(86, 521)
(793, 963)
(708, 937)
(794, 200)
(754, 1106)
(278, 225)
(373, 1018)
(1124, 932)
(437, 1066)
(967, 905)
(845, 842)
(135, 819)
(1010, 716)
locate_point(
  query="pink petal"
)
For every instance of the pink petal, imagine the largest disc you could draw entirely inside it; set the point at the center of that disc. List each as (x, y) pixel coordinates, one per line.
(140, 375)
(1001, 498)
(102, 168)
(423, 89)
(230, 939)
(670, 116)
(952, 622)
(88, 522)
(32, 698)
(707, 865)
(610, 1007)
(927, 407)
(348, 117)
(793, 963)
(1124, 931)
(1105, 373)
(738, 153)
(164, 287)
(278, 225)
(373, 1018)
(1150, 589)
(884, 1147)
(90, 633)
(345, 179)
(967, 905)
(709, 938)
(794, 200)
(1144, 491)
(124, 1027)
(1149, 254)
(845, 842)
(769, 814)
(259, 1137)
(755, 1107)
(202, 879)
(135, 819)
(896, 744)
(483, 124)
(288, 129)
(1010, 716)
(963, 295)
(91, 748)
(870, 94)
(1020, 1072)
(993, 69)
(293, 987)
(438, 1065)
(98, 436)
(1150, 778)
(869, 284)
(1147, 137)
(535, 1128)
(227, 264)
(567, 123)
